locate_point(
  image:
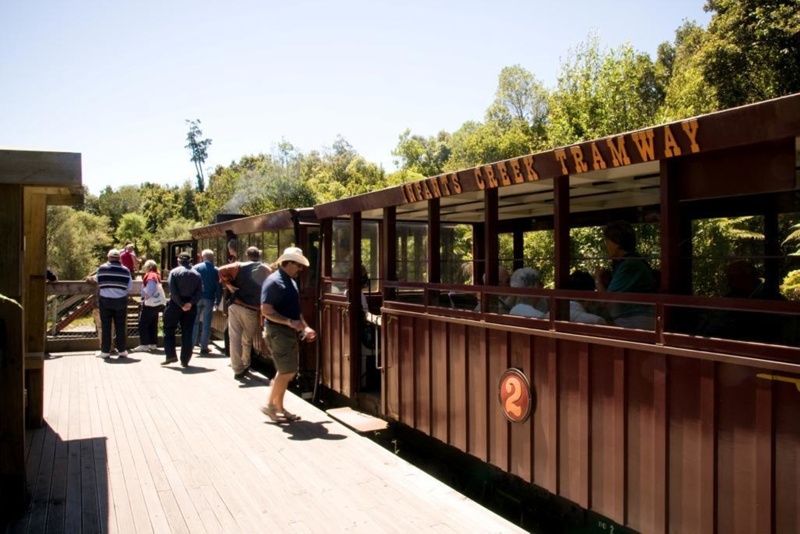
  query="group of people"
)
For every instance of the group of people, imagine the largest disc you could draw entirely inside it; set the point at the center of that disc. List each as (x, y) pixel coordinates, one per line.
(630, 273)
(195, 292)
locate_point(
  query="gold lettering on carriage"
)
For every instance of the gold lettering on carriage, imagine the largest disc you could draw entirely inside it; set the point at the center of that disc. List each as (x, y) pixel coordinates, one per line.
(648, 146)
(443, 185)
(506, 173)
(574, 159)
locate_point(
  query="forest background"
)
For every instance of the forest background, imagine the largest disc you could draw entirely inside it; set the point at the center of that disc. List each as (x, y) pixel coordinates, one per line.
(749, 52)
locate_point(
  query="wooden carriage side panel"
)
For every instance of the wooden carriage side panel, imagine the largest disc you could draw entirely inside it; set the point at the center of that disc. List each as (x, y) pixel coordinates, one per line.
(544, 386)
(347, 359)
(328, 336)
(498, 425)
(647, 441)
(478, 398)
(308, 351)
(422, 374)
(406, 351)
(336, 347)
(521, 442)
(392, 372)
(744, 459)
(573, 421)
(440, 384)
(458, 388)
(691, 449)
(608, 422)
(787, 455)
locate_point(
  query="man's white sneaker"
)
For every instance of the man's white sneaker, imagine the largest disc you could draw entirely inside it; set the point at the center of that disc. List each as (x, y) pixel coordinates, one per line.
(142, 348)
(123, 354)
(153, 347)
(103, 355)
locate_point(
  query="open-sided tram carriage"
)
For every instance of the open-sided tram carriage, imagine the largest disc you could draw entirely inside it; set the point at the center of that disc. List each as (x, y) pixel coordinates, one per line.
(667, 429)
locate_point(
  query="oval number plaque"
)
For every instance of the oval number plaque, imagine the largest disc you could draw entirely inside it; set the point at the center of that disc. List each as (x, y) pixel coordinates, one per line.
(515, 395)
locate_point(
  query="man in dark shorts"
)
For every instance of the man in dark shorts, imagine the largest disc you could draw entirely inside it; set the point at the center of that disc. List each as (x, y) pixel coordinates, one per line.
(280, 304)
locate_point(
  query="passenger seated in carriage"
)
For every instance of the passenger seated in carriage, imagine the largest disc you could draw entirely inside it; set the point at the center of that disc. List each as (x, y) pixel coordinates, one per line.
(744, 283)
(498, 304)
(528, 306)
(582, 281)
(629, 274)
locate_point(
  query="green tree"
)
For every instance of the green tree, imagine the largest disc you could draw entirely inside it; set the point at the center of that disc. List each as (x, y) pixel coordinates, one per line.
(199, 149)
(133, 229)
(173, 229)
(159, 204)
(687, 92)
(476, 143)
(424, 155)
(339, 172)
(77, 242)
(226, 191)
(753, 50)
(601, 92)
(114, 204)
(520, 99)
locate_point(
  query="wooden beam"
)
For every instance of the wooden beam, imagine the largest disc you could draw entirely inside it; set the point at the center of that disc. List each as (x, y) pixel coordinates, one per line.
(11, 252)
(29, 167)
(389, 248)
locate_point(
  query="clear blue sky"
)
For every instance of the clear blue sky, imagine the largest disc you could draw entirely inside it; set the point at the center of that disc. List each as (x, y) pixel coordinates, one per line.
(116, 80)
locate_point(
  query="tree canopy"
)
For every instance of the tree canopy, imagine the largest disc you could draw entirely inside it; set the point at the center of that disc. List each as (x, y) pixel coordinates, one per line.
(750, 51)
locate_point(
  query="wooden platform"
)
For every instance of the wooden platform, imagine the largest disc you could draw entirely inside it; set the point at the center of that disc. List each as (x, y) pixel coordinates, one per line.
(130, 446)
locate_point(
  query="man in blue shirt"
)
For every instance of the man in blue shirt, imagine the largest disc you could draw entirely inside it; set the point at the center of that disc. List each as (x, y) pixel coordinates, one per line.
(212, 294)
(114, 282)
(185, 290)
(280, 304)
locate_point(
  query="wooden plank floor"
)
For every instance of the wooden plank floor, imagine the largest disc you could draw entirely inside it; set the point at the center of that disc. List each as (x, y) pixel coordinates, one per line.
(133, 447)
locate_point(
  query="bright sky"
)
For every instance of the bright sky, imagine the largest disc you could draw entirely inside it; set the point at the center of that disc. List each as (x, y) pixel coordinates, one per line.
(116, 80)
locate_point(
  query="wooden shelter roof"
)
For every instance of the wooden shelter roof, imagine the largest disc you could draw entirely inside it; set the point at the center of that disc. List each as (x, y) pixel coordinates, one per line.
(57, 174)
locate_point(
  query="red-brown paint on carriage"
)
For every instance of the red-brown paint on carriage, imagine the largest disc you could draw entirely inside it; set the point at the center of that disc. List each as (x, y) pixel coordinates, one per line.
(657, 442)
(659, 431)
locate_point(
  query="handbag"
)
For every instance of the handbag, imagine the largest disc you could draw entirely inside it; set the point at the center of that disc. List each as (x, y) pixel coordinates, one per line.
(159, 298)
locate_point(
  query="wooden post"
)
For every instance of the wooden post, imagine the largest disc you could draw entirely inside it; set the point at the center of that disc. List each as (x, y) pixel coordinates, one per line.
(34, 264)
(12, 342)
(12, 424)
(354, 306)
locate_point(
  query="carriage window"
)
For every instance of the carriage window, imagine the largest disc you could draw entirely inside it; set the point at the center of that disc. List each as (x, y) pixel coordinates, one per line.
(369, 255)
(269, 248)
(456, 254)
(730, 259)
(312, 253)
(341, 255)
(412, 252)
(286, 239)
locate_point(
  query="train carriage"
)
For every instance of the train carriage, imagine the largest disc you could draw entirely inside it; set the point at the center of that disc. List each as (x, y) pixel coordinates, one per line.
(670, 426)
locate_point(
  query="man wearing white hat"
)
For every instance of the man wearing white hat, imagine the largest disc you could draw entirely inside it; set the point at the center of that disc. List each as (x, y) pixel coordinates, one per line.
(280, 304)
